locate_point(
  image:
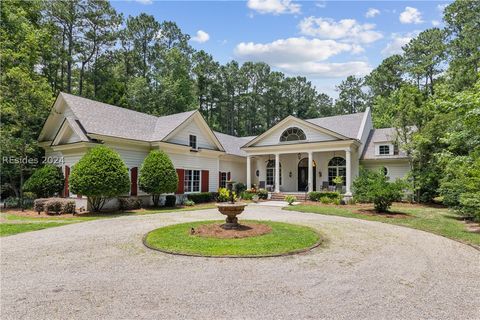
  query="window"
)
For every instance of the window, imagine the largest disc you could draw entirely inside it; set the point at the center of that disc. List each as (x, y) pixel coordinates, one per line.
(293, 134)
(271, 172)
(385, 171)
(384, 150)
(193, 141)
(192, 181)
(337, 167)
(223, 179)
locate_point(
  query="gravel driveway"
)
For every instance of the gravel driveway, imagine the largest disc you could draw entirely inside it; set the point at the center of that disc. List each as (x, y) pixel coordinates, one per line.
(101, 270)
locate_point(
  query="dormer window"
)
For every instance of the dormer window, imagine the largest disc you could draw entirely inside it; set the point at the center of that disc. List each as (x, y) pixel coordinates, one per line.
(384, 150)
(293, 134)
(193, 141)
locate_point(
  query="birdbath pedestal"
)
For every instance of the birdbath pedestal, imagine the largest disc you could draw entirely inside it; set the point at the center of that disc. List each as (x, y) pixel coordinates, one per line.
(231, 210)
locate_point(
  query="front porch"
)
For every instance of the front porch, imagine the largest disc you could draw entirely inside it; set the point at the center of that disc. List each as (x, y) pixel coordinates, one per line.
(301, 171)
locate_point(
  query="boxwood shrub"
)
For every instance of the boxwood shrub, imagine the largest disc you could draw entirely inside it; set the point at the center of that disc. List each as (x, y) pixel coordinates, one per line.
(170, 201)
(201, 197)
(317, 195)
(129, 203)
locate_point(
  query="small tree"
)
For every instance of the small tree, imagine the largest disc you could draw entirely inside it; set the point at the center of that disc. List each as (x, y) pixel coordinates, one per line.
(99, 175)
(157, 175)
(45, 181)
(373, 186)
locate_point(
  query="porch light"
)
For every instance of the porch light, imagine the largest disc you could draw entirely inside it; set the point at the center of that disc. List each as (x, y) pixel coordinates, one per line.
(320, 174)
(257, 173)
(290, 174)
(299, 156)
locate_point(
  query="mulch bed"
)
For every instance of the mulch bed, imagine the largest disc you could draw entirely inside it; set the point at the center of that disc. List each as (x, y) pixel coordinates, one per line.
(214, 230)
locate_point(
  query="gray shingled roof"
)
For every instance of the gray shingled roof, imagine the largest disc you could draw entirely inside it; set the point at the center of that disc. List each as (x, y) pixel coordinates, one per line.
(380, 135)
(346, 125)
(105, 119)
(232, 144)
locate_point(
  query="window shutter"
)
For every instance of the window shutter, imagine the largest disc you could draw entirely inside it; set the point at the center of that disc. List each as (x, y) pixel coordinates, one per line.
(228, 176)
(66, 192)
(134, 181)
(181, 180)
(219, 178)
(205, 180)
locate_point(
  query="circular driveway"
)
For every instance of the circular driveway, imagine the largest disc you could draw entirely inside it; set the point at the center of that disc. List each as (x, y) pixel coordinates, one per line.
(101, 270)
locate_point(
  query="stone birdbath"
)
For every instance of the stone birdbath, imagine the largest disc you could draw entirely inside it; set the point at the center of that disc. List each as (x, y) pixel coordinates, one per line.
(231, 210)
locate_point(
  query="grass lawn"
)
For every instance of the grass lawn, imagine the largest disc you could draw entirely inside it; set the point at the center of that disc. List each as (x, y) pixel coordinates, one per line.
(13, 222)
(7, 229)
(436, 220)
(283, 238)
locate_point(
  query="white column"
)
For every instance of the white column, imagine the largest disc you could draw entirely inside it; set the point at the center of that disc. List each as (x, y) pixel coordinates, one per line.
(277, 172)
(310, 171)
(348, 181)
(249, 173)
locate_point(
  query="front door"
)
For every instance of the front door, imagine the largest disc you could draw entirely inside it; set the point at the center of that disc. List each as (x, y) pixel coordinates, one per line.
(302, 178)
(303, 175)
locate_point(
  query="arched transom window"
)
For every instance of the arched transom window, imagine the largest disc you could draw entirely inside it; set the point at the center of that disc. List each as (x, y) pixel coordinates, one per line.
(293, 134)
(337, 167)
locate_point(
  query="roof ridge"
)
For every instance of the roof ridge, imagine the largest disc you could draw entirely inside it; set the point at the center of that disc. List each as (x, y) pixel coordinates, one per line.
(337, 115)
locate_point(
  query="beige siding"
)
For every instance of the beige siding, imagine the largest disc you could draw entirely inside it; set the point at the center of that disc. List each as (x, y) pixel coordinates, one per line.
(192, 128)
(237, 169)
(396, 170)
(312, 135)
(187, 161)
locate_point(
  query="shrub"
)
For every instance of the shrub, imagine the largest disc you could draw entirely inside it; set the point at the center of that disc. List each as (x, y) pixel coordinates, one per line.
(100, 174)
(59, 205)
(129, 203)
(325, 200)
(224, 195)
(170, 201)
(14, 202)
(188, 203)
(262, 194)
(201, 197)
(157, 175)
(45, 182)
(317, 195)
(240, 188)
(373, 186)
(290, 199)
(39, 204)
(247, 195)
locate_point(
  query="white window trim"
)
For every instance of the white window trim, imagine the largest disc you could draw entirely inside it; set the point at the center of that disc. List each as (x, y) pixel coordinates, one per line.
(196, 141)
(388, 144)
(199, 181)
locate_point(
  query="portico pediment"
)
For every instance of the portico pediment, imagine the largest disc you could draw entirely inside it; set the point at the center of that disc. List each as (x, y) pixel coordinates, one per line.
(292, 130)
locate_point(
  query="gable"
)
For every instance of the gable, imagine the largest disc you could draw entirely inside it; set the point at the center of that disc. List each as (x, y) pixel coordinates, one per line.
(312, 133)
(195, 126)
(70, 132)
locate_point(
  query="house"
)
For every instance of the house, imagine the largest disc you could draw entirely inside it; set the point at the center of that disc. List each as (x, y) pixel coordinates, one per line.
(295, 155)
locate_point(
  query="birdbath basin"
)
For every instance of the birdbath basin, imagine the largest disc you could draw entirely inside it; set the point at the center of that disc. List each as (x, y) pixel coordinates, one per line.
(231, 210)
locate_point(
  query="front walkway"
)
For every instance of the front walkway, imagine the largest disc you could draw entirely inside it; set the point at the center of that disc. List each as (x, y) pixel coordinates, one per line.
(101, 270)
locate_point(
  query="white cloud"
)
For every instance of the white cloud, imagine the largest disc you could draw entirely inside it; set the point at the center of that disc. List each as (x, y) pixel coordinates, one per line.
(435, 23)
(346, 29)
(411, 15)
(372, 12)
(273, 6)
(144, 1)
(442, 7)
(398, 41)
(321, 3)
(201, 36)
(301, 56)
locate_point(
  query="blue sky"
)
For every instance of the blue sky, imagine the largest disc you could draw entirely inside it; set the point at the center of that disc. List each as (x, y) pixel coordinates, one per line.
(322, 40)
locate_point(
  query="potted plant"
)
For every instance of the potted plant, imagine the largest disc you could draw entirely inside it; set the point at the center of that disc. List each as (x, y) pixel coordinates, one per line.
(338, 180)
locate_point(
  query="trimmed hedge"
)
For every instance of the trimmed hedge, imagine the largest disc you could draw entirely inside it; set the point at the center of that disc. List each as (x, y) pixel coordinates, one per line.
(45, 182)
(201, 197)
(130, 203)
(170, 201)
(317, 195)
(55, 205)
(39, 204)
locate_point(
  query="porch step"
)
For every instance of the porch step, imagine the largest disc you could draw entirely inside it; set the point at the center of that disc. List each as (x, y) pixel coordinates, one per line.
(280, 196)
